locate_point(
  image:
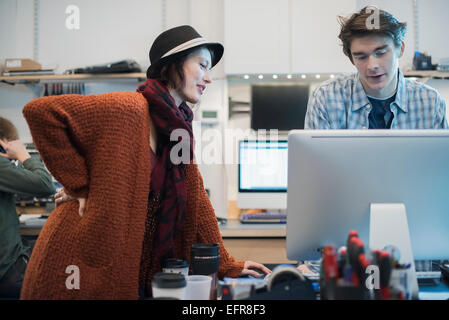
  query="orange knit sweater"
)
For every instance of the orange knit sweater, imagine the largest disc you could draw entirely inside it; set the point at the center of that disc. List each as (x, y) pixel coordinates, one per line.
(98, 146)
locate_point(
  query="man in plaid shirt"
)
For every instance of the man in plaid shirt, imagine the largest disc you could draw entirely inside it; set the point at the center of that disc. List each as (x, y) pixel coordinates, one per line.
(377, 96)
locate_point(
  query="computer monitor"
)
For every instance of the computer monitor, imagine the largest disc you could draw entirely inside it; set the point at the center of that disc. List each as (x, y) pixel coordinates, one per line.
(262, 174)
(335, 175)
(281, 107)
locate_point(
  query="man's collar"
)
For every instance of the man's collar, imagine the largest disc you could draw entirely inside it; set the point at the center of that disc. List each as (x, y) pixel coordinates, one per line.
(360, 99)
(401, 93)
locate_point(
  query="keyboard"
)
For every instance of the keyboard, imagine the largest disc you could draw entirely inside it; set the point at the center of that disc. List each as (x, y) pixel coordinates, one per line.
(428, 278)
(264, 217)
(428, 274)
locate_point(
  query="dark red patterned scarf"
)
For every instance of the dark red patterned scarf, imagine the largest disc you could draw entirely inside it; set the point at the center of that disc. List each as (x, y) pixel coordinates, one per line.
(167, 177)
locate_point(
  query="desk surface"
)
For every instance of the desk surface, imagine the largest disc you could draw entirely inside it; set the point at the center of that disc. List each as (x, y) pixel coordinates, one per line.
(439, 292)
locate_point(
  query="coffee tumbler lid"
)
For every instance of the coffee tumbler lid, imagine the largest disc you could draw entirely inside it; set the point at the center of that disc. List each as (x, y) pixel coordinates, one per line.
(169, 280)
(205, 249)
(174, 263)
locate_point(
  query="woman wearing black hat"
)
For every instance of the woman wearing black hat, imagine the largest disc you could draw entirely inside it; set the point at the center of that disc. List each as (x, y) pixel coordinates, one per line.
(128, 227)
(180, 63)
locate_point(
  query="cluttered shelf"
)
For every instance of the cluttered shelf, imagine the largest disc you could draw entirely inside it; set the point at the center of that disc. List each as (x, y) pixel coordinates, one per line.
(29, 71)
(434, 74)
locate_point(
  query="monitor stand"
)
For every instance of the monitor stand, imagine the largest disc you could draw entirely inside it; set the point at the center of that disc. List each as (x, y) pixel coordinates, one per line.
(389, 226)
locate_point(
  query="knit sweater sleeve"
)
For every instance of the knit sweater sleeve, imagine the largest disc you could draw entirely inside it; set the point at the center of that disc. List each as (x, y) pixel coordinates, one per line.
(208, 232)
(59, 125)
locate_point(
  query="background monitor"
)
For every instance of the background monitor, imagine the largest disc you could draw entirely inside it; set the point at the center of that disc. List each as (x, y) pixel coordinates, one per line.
(262, 175)
(334, 176)
(281, 107)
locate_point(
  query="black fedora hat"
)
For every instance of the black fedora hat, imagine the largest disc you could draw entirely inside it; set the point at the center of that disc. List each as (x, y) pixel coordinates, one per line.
(174, 41)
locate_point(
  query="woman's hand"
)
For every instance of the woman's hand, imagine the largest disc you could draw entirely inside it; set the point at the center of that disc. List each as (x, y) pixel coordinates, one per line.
(250, 267)
(61, 197)
(15, 150)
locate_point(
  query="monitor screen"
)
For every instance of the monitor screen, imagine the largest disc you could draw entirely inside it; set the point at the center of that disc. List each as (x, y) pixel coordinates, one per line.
(336, 175)
(262, 175)
(263, 166)
(281, 107)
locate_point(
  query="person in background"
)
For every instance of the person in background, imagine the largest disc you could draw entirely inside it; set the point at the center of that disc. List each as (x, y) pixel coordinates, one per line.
(133, 196)
(32, 180)
(377, 96)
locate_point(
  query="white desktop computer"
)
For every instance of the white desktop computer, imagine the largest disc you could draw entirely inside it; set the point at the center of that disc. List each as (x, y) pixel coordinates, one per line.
(262, 174)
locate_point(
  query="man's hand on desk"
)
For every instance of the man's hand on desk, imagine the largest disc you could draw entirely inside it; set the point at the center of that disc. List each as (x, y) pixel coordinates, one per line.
(250, 267)
(61, 197)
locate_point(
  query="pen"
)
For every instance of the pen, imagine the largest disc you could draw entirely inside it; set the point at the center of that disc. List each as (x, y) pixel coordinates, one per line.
(352, 234)
(342, 261)
(356, 248)
(330, 263)
(363, 264)
(385, 273)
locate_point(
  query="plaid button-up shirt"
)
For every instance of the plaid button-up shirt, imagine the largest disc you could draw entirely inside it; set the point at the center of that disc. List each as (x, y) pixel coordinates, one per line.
(342, 103)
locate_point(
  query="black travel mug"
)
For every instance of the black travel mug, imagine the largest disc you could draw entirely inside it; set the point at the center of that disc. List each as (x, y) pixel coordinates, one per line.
(205, 260)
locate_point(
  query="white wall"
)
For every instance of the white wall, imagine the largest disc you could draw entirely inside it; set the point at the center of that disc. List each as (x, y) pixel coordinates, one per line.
(434, 25)
(108, 31)
(315, 28)
(8, 14)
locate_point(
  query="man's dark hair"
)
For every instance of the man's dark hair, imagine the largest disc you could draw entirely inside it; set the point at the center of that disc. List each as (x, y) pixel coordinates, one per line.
(360, 24)
(175, 64)
(8, 130)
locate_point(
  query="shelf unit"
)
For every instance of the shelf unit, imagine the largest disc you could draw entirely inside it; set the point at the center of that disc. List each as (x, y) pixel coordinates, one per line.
(71, 77)
(36, 82)
(434, 74)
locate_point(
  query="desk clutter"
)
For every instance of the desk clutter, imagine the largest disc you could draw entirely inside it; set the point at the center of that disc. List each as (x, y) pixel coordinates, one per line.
(352, 273)
(349, 273)
(174, 282)
(284, 283)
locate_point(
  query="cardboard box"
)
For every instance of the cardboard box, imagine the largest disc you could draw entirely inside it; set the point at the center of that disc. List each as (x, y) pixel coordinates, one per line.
(21, 65)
